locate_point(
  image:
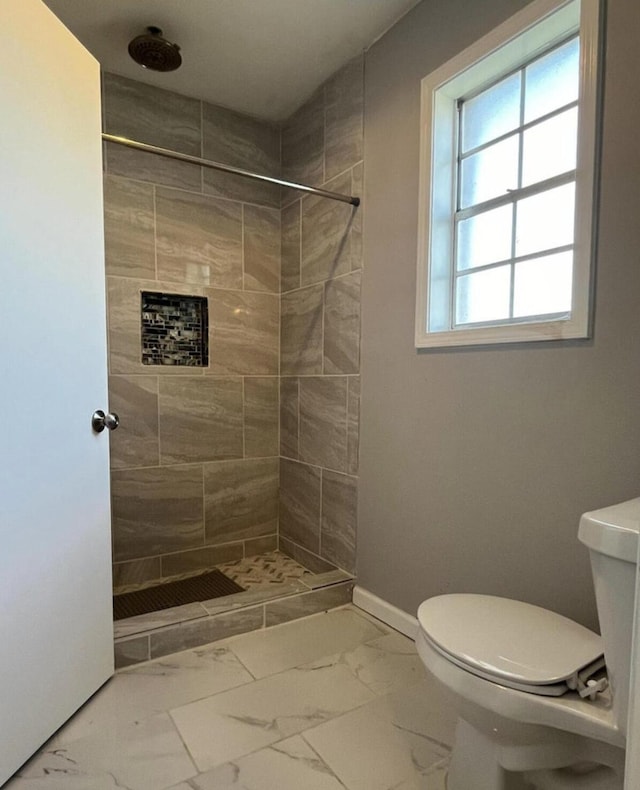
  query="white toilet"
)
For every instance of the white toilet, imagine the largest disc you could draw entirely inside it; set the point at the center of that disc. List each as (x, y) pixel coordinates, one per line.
(536, 708)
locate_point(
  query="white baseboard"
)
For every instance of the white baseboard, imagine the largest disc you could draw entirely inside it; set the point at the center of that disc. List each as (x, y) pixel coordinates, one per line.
(388, 613)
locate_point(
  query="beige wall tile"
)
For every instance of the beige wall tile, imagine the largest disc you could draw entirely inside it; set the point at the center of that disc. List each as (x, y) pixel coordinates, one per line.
(261, 228)
(200, 419)
(151, 115)
(357, 189)
(353, 425)
(260, 545)
(261, 417)
(308, 559)
(339, 519)
(204, 630)
(241, 499)
(241, 141)
(303, 144)
(121, 161)
(243, 333)
(131, 651)
(301, 332)
(342, 325)
(326, 225)
(344, 111)
(323, 421)
(129, 223)
(135, 400)
(310, 603)
(289, 417)
(136, 571)
(155, 511)
(199, 559)
(300, 504)
(199, 239)
(290, 247)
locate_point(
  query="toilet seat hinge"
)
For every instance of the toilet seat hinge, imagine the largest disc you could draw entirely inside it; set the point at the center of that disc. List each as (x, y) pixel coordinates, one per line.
(592, 688)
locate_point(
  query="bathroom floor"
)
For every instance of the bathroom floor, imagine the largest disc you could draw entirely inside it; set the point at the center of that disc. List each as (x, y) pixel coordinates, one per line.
(334, 701)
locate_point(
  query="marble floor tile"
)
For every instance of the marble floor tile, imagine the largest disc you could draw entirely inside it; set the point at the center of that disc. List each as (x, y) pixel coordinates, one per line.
(302, 641)
(384, 665)
(136, 694)
(433, 779)
(146, 755)
(357, 712)
(390, 740)
(238, 722)
(288, 765)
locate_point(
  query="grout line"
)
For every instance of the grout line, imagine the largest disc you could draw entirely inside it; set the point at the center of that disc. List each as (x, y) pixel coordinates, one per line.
(157, 378)
(192, 191)
(320, 514)
(317, 466)
(155, 232)
(324, 133)
(298, 420)
(177, 729)
(299, 220)
(242, 235)
(324, 308)
(244, 423)
(332, 773)
(204, 512)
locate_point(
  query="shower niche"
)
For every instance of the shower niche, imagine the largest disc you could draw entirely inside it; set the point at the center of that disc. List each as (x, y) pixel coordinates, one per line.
(174, 329)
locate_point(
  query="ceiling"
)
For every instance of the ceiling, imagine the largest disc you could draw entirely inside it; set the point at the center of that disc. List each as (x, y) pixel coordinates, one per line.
(262, 57)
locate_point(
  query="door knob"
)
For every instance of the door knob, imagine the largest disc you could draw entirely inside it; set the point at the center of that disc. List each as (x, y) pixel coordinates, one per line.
(100, 421)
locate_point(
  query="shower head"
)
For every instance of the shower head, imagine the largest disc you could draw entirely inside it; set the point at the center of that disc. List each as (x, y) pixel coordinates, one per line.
(152, 51)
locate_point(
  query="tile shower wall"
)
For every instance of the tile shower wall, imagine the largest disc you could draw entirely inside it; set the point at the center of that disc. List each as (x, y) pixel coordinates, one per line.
(322, 144)
(195, 465)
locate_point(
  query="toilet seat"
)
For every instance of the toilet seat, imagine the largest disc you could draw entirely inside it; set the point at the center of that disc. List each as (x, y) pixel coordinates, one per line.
(515, 644)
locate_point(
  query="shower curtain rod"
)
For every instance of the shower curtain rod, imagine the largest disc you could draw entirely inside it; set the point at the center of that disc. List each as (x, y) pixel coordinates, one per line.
(196, 160)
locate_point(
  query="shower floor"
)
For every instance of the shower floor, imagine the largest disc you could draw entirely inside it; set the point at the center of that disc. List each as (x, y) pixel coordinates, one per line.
(276, 589)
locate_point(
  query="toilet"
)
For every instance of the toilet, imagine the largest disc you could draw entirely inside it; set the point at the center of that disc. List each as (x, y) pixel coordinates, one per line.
(541, 700)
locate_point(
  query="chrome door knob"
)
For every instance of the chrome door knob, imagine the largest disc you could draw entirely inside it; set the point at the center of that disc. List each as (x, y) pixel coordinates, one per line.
(100, 421)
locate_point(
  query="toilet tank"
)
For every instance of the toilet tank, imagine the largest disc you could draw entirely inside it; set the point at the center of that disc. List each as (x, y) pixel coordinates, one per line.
(611, 535)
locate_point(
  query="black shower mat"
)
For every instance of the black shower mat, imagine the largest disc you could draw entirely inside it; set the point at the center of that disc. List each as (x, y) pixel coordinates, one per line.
(213, 584)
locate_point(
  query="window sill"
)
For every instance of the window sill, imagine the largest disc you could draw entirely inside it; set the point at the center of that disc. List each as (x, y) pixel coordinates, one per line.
(515, 333)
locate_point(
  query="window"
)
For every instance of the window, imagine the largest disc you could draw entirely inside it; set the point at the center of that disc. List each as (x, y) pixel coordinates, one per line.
(507, 183)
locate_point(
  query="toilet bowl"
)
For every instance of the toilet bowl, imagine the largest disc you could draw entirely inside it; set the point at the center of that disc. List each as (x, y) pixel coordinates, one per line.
(537, 707)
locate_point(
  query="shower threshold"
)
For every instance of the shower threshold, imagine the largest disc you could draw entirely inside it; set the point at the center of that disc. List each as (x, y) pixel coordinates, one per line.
(277, 589)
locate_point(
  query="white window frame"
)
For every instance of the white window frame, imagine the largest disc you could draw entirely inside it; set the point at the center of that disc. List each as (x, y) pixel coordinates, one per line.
(528, 33)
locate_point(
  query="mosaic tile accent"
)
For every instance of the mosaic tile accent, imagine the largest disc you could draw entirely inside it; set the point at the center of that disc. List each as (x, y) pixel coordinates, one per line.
(174, 329)
(270, 568)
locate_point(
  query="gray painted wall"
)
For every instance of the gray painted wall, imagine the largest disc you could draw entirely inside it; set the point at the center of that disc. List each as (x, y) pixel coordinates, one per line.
(476, 464)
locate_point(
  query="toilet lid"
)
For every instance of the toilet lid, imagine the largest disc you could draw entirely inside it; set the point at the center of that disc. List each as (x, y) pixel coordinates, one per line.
(508, 640)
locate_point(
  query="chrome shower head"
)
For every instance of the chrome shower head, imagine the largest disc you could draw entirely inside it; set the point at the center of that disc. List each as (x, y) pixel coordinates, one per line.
(154, 52)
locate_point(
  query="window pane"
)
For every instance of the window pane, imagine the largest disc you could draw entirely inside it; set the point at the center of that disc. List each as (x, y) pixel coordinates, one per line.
(490, 173)
(483, 296)
(485, 238)
(552, 81)
(543, 285)
(550, 148)
(546, 220)
(492, 113)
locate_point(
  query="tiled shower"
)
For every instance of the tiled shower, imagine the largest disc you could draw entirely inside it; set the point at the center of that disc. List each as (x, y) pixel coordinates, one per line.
(256, 449)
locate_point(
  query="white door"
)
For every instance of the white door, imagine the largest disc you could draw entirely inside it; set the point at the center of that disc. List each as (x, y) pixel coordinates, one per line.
(56, 632)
